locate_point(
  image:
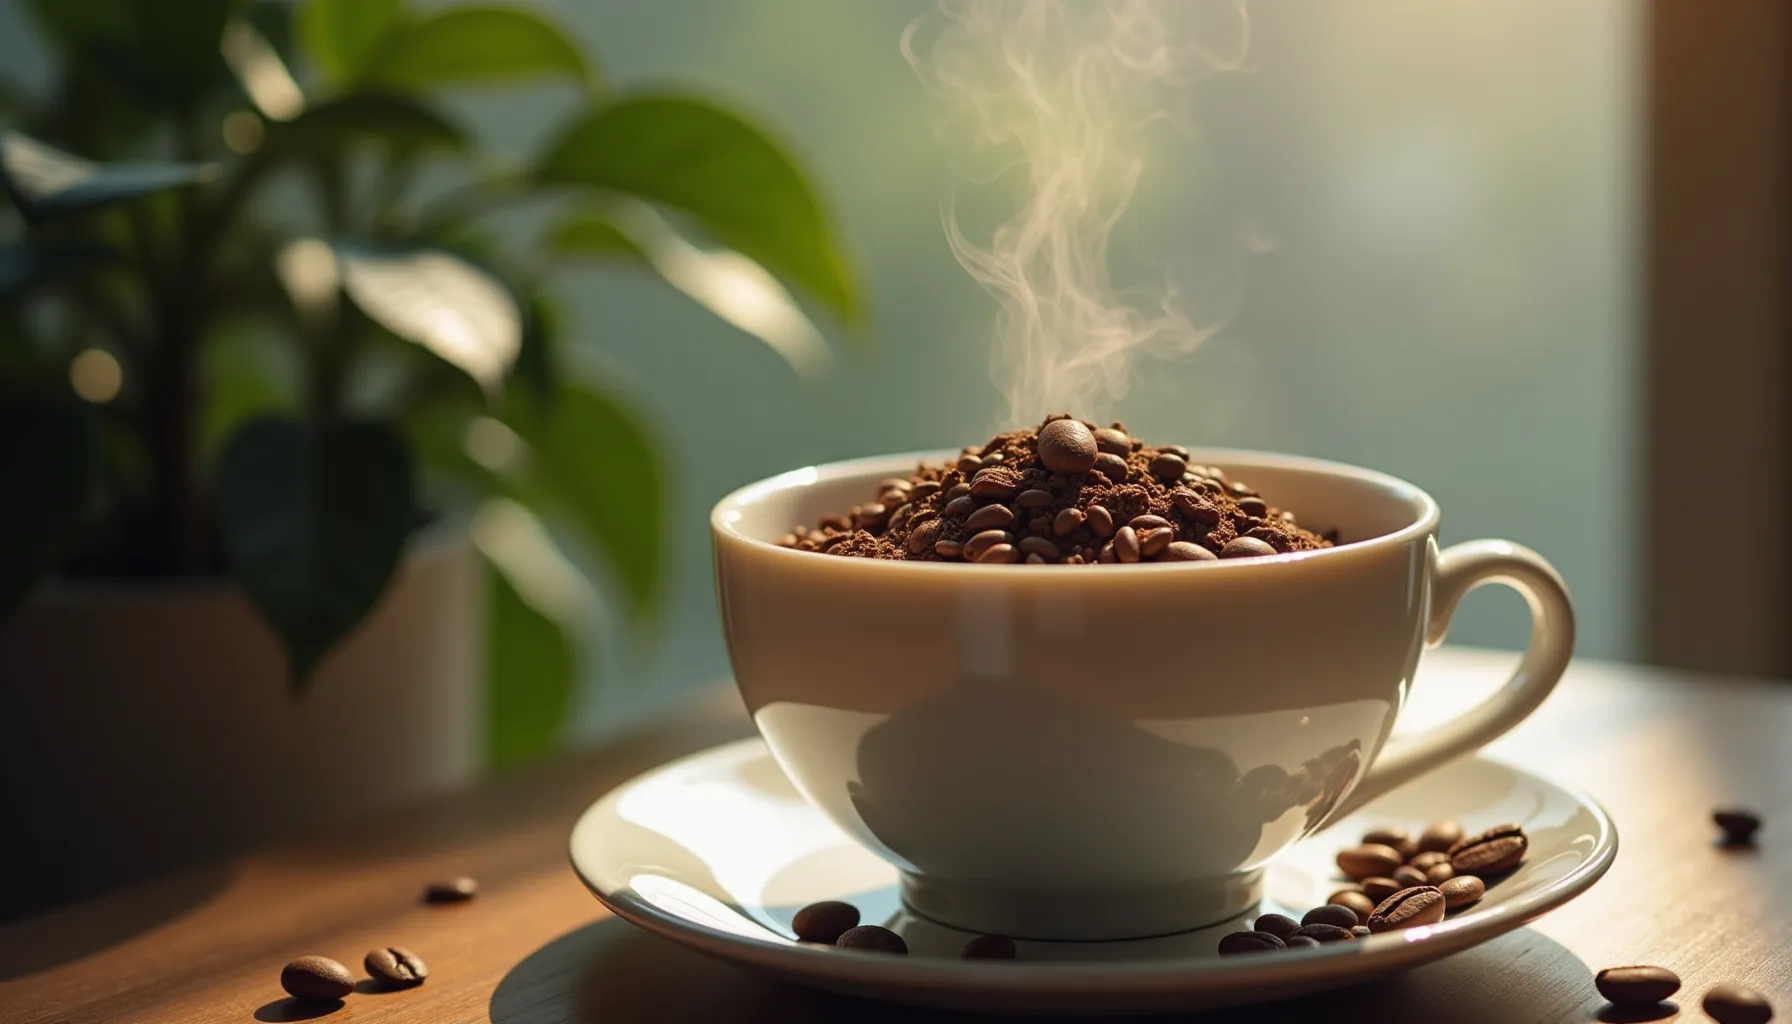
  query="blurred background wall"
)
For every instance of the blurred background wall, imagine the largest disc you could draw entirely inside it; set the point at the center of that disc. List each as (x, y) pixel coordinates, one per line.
(1448, 187)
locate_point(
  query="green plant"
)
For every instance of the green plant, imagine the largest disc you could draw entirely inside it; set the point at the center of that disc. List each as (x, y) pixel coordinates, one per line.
(292, 317)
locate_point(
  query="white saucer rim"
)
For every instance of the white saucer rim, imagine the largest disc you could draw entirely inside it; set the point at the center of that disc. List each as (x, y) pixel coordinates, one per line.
(1391, 950)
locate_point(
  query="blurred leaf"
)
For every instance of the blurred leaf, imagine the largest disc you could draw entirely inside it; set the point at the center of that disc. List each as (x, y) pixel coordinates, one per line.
(340, 35)
(593, 461)
(314, 518)
(593, 233)
(261, 71)
(49, 469)
(440, 301)
(535, 360)
(366, 118)
(166, 52)
(23, 264)
(721, 170)
(44, 182)
(529, 671)
(274, 20)
(474, 44)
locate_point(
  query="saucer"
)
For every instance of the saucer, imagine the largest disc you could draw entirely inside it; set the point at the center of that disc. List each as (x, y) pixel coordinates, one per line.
(718, 851)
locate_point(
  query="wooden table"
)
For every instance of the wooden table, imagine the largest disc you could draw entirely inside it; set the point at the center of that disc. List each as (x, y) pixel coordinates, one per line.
(1659, 749)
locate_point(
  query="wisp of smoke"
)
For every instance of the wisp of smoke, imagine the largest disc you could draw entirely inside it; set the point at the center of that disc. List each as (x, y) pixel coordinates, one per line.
(1065, 89)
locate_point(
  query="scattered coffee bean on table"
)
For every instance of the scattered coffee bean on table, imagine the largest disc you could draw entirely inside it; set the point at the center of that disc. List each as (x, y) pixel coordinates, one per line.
(1636, 986)
(1408, 908)
(1737, 1004)
(317, 978)
(1325, 932)
(1302, 942)
(872, 939)
(395, 967)
(1371, 860)
(1396, 839)
(1102, 496)
(1462, 890)
(1361, 931)
(1250, 942)
(1276, 924)
(1358, 901)
(1429, 859)
(1439, 836)
(451, 890)
(1379, 889)
(1333, 914)
(1493, 852)
(989, 947)
(1408, 876)
(825, 921)
(1739, 825)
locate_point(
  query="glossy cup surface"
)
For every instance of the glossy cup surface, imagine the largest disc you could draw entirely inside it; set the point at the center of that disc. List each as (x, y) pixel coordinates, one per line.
(1074, 751)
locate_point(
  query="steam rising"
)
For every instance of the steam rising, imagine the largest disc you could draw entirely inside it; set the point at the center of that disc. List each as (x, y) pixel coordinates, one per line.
(1064, 89)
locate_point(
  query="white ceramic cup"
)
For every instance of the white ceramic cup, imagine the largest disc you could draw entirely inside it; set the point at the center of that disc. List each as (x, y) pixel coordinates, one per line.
(1115, 751)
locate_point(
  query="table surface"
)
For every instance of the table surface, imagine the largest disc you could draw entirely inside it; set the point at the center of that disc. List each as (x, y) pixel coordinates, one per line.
(1659, 750)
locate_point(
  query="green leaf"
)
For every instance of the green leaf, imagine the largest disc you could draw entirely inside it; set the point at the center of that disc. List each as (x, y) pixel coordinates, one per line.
(467, 45)
(720, 169)
(23, 264)
(364, 118)
(341, 35)
(535, 360)
(593, 233)
(530, 669)
(594, 462)
(165, 52)
(464, 315)
(45, 182)
(49, 472)
(314, 518)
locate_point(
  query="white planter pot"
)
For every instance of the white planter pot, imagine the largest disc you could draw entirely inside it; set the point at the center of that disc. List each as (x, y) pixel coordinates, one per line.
(145, 725)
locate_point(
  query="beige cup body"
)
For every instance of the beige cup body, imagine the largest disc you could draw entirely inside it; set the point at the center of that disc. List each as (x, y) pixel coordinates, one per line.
(1128, 744)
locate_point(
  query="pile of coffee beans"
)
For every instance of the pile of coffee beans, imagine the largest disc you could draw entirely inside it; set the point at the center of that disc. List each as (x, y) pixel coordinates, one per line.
(321, 979)
(837, 924)
(1067, 492)
(1399, 880)
(1642, 987)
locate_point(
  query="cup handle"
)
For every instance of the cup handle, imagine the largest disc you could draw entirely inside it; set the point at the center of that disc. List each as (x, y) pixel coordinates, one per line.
(1458, 570)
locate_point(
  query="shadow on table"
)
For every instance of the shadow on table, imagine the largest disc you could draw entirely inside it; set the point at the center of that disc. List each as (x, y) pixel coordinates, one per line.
(34, 943)
(612, 972)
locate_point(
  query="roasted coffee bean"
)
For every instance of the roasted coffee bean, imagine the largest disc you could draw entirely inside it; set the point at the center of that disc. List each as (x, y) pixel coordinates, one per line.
(1739, 825)
(923, 490)
(1737, 1004)
(1147, 522)
(999, 554)
(1111, 466)
(1066, 446)
(1462, 890)
(1636, 986)
(1174, 449)
(961, 507)
(872, 939)
(1246, 547)
(451, 890)
(1066, 522)
(1039, 546)
(395, 967)
(1331, 913)
(1379, 889)
(871, 517)
(1279, 925)
(1424, 861)
(994, 484)
(956, 491)
(1107, 556)
(1126, 544)
(1112, 442)
(834, 540)
(1287, 517)
(1240, 489)
(1101, 521)
(1437, 874)
(968, 464)
(995, 458)
(1440, 836)
(1036, 560)
(1325, 932)
(1195, 508)
(981, 542)
(989, 517)
(1408, 908)
(1408, 875)
(1250, 942)
(923, 536)
(787, 541)
(1361, 931)
(1301, 942)
(991, 947)
(836, 523)
(1034, 498)
(895, 483)
(825, 921)
(1397, 839)
(1153, 543)
(948, 549)
(1358, 901)
(1186, 551)
(1168, 467)
(316, 977)
(1256, 508)
(1368, 860)
(901, 515)
(1493, 852)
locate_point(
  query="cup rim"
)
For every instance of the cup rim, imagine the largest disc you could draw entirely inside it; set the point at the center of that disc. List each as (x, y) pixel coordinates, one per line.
(724, 515)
